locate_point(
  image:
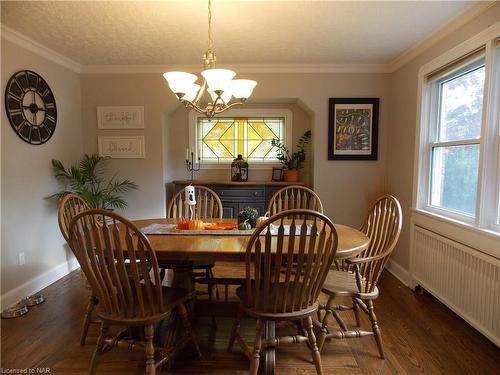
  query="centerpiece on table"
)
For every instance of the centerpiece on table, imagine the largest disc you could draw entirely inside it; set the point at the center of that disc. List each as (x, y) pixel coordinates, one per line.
(248, 215)
(294, 161)
(89, 180)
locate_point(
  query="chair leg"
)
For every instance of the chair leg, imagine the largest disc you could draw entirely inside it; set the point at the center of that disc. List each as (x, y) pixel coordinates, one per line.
(356, 312)
(234, 330)
(316, 356)
(324, 323)
(210, 274)
(149, 349)
(98, 347)
(88, 318)
(187, 327)
(375, 328)
(254, 361)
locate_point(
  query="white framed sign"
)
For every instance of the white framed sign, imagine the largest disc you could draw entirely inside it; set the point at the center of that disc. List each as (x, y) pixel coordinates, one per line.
(122, 147)
(120, 117)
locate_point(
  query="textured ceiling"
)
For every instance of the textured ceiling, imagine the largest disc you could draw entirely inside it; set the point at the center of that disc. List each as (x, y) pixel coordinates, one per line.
(245, 32)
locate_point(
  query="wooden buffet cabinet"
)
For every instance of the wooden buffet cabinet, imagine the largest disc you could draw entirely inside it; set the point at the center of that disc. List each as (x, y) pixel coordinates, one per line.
(235, 196)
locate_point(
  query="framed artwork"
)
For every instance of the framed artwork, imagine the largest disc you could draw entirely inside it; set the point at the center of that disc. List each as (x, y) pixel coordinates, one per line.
(353, 129)
(120, 117)
(277, 174)
(122, 147)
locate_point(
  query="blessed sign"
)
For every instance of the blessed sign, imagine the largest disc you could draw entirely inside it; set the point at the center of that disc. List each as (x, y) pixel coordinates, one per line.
(122, 147)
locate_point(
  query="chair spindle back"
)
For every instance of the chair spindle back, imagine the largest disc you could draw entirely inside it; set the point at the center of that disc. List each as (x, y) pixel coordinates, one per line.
(294, 197)
(114, 255)
(69, 206)
(306, 256)
(208, 205)
(383, 227)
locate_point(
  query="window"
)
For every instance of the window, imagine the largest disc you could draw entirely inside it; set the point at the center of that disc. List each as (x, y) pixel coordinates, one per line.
(459, 155)
(219, 140)
(456, 140)
(222, 139)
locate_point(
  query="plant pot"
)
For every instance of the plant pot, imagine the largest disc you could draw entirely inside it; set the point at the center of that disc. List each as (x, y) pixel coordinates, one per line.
(292, 175)
(252, 222)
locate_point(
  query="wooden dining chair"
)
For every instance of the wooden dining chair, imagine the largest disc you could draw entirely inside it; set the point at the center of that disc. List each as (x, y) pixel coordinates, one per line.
(70, 206)
(357, 278)
(114, 255)
(294, 197)
(270, 295)
(208, 206)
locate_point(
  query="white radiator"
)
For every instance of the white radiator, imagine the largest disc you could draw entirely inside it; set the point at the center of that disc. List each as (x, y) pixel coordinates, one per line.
(464, 279)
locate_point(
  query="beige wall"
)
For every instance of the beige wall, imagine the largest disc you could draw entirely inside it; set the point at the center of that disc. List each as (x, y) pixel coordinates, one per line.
(347, 187)
(404, 114)
(29, 223)
(150, 91)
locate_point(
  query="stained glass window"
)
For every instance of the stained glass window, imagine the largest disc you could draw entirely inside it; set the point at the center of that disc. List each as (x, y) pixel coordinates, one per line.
(221, 139)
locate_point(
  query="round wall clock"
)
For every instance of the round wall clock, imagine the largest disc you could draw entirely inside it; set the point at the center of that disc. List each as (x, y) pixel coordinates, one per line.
(31, 107)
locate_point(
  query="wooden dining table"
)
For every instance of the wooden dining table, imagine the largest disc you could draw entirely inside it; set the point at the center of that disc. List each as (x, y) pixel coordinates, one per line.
(184, 248)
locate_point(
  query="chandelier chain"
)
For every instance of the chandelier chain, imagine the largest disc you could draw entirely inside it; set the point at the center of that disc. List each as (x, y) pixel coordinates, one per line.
(210, 41)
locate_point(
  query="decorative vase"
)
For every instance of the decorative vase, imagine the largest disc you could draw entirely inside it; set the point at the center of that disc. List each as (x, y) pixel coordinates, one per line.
(292, 175)
(242, 218)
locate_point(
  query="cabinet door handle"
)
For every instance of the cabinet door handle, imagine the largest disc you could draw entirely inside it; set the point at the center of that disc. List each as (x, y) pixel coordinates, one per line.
(255, 193)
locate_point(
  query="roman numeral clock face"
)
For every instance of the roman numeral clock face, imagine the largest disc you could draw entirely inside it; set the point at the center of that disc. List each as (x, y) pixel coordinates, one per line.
(31, 107)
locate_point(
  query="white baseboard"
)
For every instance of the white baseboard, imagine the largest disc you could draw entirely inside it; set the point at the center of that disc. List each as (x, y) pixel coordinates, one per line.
(401, 273)
(38, 283)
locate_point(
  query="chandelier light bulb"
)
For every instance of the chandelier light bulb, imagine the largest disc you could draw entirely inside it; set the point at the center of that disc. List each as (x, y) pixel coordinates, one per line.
(191, 92)
(218, 79)
(225, 96)
(242, 88)
(180, 82)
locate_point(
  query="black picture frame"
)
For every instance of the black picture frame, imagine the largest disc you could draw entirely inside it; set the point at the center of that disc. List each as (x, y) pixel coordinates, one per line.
(354, 133)
(277, 174)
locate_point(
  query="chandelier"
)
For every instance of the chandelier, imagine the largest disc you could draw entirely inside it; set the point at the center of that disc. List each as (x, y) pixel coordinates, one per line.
(217, 83)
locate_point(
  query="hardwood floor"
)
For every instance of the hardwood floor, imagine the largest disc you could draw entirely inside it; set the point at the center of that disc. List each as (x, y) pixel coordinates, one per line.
(420, 336)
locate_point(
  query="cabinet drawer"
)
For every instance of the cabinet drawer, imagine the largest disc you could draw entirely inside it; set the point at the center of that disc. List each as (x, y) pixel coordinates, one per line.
(241, 193)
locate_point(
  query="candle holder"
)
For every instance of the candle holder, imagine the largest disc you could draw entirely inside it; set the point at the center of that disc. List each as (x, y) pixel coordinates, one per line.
(190, 165)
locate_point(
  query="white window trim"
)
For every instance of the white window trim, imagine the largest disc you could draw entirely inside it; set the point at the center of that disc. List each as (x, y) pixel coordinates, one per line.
(490, 123)
(249, 112)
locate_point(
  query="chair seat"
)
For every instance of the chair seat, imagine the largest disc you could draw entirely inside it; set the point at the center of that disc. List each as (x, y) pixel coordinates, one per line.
(343, 283)
(278, 297)
(172, 297)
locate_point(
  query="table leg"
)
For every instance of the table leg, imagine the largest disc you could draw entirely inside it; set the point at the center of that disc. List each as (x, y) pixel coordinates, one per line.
(270, 353)
(172, 326)
(183, 278)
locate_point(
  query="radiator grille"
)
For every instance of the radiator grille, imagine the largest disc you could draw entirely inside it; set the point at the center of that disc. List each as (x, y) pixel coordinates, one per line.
(463, 278)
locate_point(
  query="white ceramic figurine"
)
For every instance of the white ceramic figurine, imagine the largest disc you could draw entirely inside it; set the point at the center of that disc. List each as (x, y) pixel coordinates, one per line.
(190, 197)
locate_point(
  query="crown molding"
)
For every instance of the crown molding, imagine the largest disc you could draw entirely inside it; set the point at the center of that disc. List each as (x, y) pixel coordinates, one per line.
(241, 68)
(22, 40)
(408, 55)
(444, 30)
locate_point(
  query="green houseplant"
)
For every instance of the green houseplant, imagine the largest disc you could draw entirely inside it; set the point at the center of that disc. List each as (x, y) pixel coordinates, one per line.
(88, 179)
(294, 161)
(249, 215)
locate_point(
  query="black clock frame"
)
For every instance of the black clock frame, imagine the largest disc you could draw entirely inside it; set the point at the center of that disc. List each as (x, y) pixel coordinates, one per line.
(29, 130)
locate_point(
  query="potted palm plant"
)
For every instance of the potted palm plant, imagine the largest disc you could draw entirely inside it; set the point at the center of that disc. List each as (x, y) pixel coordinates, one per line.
(88, 179)
(294, 161)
